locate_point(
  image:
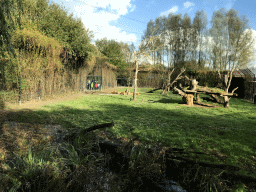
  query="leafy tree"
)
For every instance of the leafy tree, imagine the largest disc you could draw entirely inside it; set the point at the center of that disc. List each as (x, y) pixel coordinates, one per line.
(219, 37)
(69, 31)
(232, 40)
(114, 51)
(5, 25)
(233, 44)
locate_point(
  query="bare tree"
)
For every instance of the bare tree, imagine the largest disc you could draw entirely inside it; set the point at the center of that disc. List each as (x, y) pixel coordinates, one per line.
(169, 84)
(199, 24)
(148, 45)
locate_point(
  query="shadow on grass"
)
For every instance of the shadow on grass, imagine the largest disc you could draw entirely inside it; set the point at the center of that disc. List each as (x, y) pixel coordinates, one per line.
(151, 125)
(167, 100)
(140, 119)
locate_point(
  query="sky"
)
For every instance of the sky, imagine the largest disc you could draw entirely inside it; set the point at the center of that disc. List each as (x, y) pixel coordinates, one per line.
(126, 20)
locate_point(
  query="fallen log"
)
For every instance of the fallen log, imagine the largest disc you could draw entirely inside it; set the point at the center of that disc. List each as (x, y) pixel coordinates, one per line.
(203, 164)
(105, 125)
(209, 92)
(187, 95)
(216, 98)
(180, 92)
(152, 91)
(170, 84)
(170, 162)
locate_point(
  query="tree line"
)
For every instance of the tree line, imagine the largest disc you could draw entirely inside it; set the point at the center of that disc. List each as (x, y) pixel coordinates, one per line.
(224, 43)
(29, 27)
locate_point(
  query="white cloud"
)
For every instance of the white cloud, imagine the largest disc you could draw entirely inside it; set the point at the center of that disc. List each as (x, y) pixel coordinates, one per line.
(188, 4)
(133, 8)
(97, 14)
(254, 36)
(174, 9)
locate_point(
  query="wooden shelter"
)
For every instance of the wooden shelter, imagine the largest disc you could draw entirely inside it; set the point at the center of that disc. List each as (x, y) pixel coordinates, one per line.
(245, 79)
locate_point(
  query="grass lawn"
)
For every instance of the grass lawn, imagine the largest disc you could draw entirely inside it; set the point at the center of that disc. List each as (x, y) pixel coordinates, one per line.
(228, 136)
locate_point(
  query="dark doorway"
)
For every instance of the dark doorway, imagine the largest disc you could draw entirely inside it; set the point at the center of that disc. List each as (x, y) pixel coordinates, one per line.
(122, 82)
(237, 82)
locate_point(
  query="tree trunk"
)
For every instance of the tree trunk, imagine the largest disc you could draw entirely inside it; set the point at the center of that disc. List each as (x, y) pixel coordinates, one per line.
(193, 84)
(216, 98)
(198, 98)
(189, 99)
(135, 80)
(226, 101)
(169, 80)
(170, 84)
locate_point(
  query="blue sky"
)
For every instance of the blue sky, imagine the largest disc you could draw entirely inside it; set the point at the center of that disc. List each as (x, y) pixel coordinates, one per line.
(125, 20)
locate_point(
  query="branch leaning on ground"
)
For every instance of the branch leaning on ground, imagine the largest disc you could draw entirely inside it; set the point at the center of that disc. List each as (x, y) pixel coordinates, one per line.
(169, 85)
(105, 125)
(180, 92)
(167, 82)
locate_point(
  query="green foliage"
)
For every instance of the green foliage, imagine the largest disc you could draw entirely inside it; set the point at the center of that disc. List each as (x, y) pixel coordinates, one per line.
(6, 26)
(113, 51)
(237, 40)
(66, 29)
(43, 34)
(2, 104)
(34, 41)
(38, 53)
(53, 21)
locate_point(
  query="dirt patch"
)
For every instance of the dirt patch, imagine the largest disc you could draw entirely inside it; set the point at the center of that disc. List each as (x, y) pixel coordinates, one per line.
(34, 104)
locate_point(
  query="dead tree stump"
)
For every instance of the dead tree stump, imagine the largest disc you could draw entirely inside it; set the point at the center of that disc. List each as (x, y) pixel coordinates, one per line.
(188, 99)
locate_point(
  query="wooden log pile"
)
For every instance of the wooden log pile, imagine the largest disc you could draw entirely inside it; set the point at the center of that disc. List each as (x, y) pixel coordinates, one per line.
(188, 95)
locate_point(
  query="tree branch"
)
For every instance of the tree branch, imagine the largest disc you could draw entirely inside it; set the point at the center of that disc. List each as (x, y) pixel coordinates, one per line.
(234, 90)
(105, 125)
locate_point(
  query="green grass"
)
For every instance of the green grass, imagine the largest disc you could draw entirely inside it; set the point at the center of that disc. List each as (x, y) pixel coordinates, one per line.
(227, 135)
